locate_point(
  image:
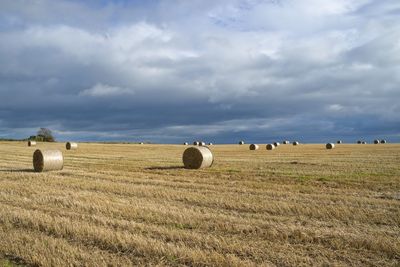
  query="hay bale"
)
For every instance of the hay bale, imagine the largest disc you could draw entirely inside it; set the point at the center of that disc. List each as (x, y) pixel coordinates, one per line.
(47, 160)
(339, 142)
(141, 143)
(270, 147)
(359, 142)
(383, 141)
(195, 143)
(71, 146)
(210, 144)
(254, 147)
(202, 144)
(330, 146)
(376, 141)
(186, 143)
(31, 143)
(276, 144)
(197, 157)
(363, 142)
(295, 143)
(286, 142)
(241, 142)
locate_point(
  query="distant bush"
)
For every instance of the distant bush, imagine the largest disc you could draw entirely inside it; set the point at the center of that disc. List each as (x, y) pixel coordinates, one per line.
(43, 135)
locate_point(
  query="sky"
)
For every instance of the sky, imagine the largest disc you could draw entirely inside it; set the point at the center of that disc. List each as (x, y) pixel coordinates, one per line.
(173, 71)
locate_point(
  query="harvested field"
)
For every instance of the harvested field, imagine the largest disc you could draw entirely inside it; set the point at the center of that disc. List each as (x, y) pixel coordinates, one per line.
(122, 204)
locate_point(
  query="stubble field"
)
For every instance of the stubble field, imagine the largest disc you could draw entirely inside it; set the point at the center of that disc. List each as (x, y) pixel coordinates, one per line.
(125, 204)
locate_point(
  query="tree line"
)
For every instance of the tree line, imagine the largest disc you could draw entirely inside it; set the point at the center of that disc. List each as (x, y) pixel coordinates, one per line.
(43, 135)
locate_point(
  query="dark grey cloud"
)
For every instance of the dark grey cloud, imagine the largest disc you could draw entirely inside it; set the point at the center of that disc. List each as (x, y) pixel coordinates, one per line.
(172, 71)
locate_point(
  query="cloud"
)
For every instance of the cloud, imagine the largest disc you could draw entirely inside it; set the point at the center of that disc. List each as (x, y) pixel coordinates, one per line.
(102, 90)
(213, 69)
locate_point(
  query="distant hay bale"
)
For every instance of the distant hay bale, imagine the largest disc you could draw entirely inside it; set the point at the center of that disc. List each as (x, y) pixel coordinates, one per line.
(186, 143)
(330, 146)
(241, 142)
(197, 157)
(286, 142)
(31, 143)
(47, 160)
(276, 144)
(202, 144)
(376, 141)
(383, 141)
(141, 143)
(195, 143)
(210, 144)
(295, 143)
(71, 146)
(254, 147)
(270, 147)
(359, 142)
(339, 142)
(363, 142)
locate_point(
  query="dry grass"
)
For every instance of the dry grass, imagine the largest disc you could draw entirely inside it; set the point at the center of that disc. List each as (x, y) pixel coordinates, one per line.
(134, 205)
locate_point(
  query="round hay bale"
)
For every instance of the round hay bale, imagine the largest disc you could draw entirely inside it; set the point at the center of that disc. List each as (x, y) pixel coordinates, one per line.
(295, 143)
(141, 143)
(71, 146)
(195, 143)
(383, 141)
(241, 142)
(339, 142)
(197, 157)
(363, 142)
(359, 142)
(31, 143)
(286, 142)
(202, 144)
(330, 146)
(186, 143)
(270, 147)
(210, 144)
(47, 160)
(376, 141)
(276, 144)
(254, 147)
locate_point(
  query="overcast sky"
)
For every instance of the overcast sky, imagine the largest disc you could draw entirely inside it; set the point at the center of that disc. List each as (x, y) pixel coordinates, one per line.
(177, 70)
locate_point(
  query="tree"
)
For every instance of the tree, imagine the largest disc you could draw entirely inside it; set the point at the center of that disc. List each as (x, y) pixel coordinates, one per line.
(45, 134)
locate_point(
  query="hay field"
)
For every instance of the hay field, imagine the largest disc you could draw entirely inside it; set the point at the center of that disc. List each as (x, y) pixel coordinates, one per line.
(122, 205)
